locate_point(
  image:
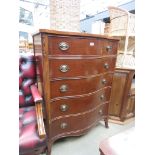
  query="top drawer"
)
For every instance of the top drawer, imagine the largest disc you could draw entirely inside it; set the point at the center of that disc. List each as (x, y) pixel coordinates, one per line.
(80, 46)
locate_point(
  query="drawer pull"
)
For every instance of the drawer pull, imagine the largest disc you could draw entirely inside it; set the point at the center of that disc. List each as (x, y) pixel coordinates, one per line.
(104, 81)
(109, 48)
(63, 125)
(106, 65)
(64, 107)
(63, 46)
(100, 112)
(64, 68)
(63, 88)
(102, 97)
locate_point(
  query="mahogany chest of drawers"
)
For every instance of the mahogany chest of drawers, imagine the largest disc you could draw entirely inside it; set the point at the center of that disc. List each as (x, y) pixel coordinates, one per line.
(75, 73)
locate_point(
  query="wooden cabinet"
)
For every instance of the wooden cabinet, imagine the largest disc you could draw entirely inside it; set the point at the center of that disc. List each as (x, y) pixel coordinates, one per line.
(122, 104)
(75, 72)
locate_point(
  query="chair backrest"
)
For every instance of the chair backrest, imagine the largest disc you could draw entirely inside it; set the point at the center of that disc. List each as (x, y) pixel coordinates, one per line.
(122, 22)
(27, 77)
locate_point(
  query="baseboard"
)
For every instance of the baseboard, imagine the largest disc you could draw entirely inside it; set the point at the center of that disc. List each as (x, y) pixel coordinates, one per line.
(122, 123)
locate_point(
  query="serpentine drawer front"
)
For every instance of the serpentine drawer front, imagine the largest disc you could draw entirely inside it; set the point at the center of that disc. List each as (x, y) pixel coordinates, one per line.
(67, 125)
(80, 67)
(75, 73)
(81, 46)
(72, 87)
(79, 103)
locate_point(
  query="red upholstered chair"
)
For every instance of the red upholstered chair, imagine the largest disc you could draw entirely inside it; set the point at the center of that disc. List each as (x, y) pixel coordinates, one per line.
(32, 135)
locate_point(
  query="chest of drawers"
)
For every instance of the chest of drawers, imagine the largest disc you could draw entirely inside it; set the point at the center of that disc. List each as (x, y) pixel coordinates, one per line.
(75, 73)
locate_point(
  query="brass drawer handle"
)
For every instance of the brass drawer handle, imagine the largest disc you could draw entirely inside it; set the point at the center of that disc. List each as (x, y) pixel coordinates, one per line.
(63, 88)
(104, 81)
(64, 107)
(64, 46)
(63, 125)
(102, 97)
(108, 48)
(106, 66)
(64, 68)
(100, 112)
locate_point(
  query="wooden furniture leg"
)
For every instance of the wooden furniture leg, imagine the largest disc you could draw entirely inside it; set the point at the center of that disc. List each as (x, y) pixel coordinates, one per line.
(106, 123)
(49, 148)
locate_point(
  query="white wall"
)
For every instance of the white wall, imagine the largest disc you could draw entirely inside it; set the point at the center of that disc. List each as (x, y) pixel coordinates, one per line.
(98, 27)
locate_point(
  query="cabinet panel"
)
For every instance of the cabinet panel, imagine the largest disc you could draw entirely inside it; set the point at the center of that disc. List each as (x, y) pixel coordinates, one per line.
(122, 95)
(117, 93)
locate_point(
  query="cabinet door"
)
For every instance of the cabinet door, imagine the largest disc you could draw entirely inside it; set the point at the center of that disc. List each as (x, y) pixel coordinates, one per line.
(117, 94)
(122, 96)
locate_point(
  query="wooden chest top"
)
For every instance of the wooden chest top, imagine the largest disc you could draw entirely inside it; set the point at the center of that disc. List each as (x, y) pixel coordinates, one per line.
(54, 32)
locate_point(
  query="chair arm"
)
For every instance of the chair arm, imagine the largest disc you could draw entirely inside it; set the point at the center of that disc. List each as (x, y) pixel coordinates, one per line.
(35, 93)
(38, 107)
(40, 122)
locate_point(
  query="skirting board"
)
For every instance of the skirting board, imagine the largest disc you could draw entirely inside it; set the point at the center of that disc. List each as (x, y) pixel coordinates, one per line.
(122, 123)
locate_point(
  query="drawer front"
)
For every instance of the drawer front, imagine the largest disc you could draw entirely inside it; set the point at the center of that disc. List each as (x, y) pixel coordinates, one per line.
(69, 106)
(66, 125)
(73, 46)
(81, 46)
(72, 87)
(82, 67)
(108, 47)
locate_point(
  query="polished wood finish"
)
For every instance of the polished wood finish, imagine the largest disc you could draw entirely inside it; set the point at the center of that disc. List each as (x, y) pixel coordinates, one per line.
(84, 46)
(62, 33)
(76, 86)
(122, 104)
(77, 122)
(104, 78)
(39, 110)
(75, 72)
(81, 67)
(40, 122)
(87, 101)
